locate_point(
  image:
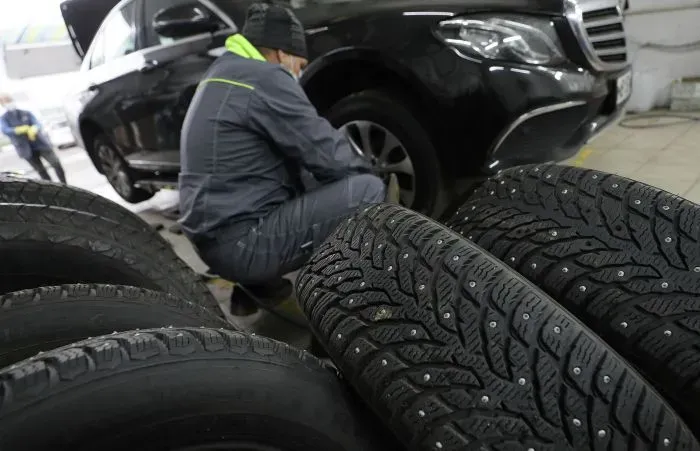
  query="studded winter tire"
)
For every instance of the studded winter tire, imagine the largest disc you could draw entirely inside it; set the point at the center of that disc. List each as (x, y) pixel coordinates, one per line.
(42, 319)
(622, 255)
(181, 389)
(18, 190)
(42, 245)
(457, 351)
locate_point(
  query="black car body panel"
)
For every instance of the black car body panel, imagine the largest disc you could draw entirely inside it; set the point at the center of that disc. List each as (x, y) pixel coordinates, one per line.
(85, 16)
(481, 114)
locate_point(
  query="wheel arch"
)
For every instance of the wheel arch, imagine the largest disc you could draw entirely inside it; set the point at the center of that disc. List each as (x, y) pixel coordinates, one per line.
(356, 69)
(350, 70)
(89, 130)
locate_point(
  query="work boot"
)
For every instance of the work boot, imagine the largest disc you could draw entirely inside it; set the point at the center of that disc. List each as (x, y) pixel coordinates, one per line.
(393, 191)
(245, 300)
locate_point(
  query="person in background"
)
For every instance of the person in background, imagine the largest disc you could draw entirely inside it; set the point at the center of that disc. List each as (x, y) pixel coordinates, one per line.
(26, 135)
(249, 138)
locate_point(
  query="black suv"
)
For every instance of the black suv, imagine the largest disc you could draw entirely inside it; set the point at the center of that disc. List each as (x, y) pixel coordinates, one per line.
(432, 91)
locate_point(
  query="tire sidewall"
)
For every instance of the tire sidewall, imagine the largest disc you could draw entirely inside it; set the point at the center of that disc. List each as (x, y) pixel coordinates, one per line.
(392, 114)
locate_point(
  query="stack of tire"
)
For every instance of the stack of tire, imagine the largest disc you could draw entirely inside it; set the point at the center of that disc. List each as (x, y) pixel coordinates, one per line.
(558, 310)
(449, 347)
(165, 371)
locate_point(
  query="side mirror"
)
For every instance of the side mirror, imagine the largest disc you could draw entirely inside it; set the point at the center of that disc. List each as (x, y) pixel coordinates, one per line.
(185, 20)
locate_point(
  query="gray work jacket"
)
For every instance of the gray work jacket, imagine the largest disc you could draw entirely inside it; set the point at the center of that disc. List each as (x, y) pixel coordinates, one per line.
(248, 133)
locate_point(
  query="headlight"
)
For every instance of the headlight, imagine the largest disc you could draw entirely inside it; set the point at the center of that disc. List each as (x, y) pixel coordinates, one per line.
(524, 39)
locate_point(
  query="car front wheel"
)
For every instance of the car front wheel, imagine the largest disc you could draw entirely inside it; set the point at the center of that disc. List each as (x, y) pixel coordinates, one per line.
(385, 132)
(118, 173)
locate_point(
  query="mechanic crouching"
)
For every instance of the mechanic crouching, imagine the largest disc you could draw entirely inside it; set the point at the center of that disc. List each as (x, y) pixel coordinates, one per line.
(249, 138)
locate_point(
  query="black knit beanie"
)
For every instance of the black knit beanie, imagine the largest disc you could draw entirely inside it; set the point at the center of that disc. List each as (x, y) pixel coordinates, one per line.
(275, 27)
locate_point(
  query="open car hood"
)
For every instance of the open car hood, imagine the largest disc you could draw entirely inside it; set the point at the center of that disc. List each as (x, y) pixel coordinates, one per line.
(83, 18)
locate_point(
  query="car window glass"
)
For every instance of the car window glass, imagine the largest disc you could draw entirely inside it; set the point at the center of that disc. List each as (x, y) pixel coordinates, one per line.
(119, 33)
(153, 7)
(97, 55)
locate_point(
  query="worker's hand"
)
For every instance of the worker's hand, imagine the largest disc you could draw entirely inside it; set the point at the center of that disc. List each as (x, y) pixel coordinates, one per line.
(22, 130)
(32, 132)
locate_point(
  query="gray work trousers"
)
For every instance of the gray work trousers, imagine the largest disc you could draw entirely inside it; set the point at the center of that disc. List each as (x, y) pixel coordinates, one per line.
(281, 242)
(51, 158)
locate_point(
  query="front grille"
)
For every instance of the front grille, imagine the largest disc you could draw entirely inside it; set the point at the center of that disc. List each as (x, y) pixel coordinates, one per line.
(600, 26)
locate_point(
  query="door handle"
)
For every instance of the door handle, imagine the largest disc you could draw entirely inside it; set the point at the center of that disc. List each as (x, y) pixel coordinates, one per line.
(148, 66)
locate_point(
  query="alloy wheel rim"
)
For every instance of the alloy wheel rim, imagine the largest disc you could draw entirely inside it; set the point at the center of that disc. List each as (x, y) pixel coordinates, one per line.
(114, 170)
(385, 153)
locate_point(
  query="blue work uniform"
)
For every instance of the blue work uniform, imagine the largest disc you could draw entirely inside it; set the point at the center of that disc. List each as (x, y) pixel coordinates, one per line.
(248, 138)
(24, 147)
(31, 151)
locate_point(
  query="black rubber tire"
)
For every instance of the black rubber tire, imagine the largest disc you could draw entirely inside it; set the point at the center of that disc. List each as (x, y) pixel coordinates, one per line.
(45, 318)
(174, 389)
(134, 195)
(39, 192)
(392, 113)
(620, 240)
(43, 245)
(456, 351)
(467, 188)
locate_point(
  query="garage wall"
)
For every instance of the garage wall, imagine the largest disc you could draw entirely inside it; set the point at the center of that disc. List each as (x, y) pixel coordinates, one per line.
(648, 25)
(32, 60)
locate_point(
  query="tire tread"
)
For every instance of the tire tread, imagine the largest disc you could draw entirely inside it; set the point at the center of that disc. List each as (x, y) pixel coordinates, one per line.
(77, 292)
(268, 382)
(150, 257)
(122, 351)
(18, 190)
(620, 239)
(395, 296)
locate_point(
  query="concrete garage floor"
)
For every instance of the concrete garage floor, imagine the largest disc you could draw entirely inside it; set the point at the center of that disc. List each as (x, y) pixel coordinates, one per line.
(665, 157)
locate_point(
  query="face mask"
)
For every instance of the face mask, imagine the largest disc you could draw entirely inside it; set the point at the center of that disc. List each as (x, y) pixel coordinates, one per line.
(10, 106)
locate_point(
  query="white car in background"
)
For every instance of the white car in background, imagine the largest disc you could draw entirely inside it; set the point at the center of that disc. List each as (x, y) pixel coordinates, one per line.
(55, 123)
(44, 97)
